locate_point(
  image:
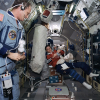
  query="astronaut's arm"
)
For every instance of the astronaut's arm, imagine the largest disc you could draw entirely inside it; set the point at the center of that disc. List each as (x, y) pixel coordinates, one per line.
(49, 56)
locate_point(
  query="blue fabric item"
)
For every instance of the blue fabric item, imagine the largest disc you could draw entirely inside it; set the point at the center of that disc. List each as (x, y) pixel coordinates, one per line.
(86, 68)
(13, 72)
(16, 92)
(15, 79)
(3, 51)
(72, 47)
(72, 72)
(49, 42)
(73, 65)
(9, 12)
(86, 57)
(76, 76)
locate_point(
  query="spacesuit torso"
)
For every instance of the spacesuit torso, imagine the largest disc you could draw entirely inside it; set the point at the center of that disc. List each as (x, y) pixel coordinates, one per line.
(10, 33)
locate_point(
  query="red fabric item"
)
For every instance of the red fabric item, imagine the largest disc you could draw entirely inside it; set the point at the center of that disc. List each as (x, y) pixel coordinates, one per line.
(1, 17)
(46, 13)
(55, 59)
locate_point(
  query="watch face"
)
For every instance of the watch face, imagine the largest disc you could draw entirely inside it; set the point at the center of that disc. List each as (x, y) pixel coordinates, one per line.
(7, 52)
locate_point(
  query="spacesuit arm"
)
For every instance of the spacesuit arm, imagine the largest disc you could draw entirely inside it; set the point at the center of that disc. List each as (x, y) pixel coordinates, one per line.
(3, 50)
(49, 56)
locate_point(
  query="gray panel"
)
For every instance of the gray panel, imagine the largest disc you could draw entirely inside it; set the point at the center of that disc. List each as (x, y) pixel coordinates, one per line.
(82, 93)
(41, 91)
(55, 18)
(40, 94)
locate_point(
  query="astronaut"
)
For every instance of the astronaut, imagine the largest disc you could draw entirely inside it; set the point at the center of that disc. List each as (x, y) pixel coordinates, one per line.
(64, 67)
(11, 32)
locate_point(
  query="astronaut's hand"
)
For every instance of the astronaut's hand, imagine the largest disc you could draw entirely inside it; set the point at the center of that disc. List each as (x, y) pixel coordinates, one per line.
(54, 55)
(14, 56)
(58, 51)
(23, 56)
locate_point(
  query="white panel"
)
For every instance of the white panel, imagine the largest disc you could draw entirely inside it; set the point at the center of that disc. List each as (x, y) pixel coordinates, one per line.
(89, 2)
(38, 50)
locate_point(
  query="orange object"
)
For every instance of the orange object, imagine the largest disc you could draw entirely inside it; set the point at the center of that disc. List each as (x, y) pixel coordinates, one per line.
(1, 17)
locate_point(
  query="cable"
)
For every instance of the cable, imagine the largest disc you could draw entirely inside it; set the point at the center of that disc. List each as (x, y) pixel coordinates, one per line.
(37, 83)
(14, 7)
(66, 38)
(41, 80)
(72, 27)
(29, 77)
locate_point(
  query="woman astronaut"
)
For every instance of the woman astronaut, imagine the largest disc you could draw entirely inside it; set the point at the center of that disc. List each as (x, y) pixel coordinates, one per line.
(64, 67)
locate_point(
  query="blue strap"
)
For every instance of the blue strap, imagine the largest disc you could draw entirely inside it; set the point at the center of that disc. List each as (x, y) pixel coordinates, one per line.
(73, 65)
(17, 40)
(6, 34)
(72, 72)
(77, 77)
(13, 72)
(1, 32)
(9, 12)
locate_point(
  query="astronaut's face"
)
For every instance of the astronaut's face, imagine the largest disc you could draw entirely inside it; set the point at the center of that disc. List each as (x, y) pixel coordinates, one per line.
(48, 49)
(25, 13)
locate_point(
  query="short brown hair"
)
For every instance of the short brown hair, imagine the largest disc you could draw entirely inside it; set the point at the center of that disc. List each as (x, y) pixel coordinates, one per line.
(47, 46)
(43, 23)
(26, 3)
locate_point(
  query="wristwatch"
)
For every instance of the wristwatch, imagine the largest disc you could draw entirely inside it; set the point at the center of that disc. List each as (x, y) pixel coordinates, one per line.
(8, 52)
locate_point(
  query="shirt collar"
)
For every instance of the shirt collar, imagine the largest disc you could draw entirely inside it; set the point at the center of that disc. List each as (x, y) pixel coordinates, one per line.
(10, 13)
(49, 53)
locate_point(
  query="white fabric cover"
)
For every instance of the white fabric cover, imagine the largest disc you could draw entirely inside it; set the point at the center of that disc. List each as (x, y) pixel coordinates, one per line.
(38, 50)
(46, 16)
(69, 57)
(61, 60)
(61, 47)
